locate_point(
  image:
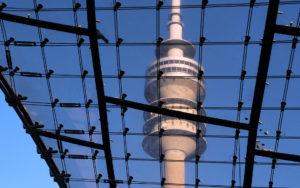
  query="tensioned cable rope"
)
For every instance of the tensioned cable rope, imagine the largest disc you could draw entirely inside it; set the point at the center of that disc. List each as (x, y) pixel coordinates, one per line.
(118, 40)
(158, 183)
(83, 84)
(200, 79)
(234, 108)
(53, 76)
(208, 43)
(211, 43)
(8, 55)
(40, 75)
(237, 145)
(59, 143)
(283, 102)
(69, 132)
(261, 163)
(158, 77)
(223, 5)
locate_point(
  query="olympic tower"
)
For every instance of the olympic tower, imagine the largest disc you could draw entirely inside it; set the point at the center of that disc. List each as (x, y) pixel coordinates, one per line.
(174, 81)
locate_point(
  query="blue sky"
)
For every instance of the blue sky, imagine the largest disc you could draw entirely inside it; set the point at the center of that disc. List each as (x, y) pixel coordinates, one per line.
(21, 165)
(221, 25)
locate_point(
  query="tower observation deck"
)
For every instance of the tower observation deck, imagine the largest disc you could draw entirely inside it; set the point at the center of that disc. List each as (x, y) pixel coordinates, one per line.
(174, 82)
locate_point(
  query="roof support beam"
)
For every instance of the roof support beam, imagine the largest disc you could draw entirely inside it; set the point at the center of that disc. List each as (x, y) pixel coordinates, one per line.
(286, 30)
(66, 139)
(276, 155)
(261, 78)
(44, 24)
(177, 114)
(91, 15)
(28, 123)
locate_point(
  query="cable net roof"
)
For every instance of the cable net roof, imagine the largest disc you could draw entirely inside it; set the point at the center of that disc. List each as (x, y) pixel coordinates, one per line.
(54, 70)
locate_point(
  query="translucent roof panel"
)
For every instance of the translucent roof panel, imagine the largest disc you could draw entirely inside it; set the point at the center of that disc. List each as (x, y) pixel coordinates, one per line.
(50, 80)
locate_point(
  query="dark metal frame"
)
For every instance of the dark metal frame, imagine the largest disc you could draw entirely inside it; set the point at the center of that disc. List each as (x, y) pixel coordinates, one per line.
(91, 14)
(29, 125)
(67, 139)
(261, 78)
(277, 155)
(177, 114)
(270, 29)
(44, 24)
(93, 36)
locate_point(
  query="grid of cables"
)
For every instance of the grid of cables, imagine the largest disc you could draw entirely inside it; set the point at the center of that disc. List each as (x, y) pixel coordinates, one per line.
(52, 74)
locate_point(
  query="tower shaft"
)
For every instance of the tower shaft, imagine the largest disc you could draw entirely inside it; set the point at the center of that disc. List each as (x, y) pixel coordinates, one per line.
(178, 141)
(174, 169)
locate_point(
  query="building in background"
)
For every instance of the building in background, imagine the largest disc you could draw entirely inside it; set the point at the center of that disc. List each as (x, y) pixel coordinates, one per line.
(174, 81)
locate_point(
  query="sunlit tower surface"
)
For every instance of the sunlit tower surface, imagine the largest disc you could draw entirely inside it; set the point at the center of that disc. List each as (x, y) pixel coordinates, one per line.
(174, 82)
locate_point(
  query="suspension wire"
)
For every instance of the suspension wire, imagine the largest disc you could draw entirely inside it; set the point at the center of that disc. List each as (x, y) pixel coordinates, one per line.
(216, 77)
(158, 38)
(207, 43)
(230, 108)
(283, 102)
(175, 184)
(216, 5)
(241, 89)
(87, 112)
(167, 134)
(117, 39)
(237, 146)
(59, 142)
(200, 82)
(102, 157)
(8, 55)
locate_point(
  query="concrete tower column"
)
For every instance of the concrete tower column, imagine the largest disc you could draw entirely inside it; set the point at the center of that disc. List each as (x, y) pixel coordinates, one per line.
(174, 170)
(174, 137)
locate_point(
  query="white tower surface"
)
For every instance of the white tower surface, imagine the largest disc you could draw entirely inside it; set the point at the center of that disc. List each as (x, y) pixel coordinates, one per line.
(183, 93)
